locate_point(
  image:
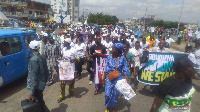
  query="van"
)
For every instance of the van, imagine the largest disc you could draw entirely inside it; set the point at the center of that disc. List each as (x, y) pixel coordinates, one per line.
(14, 54)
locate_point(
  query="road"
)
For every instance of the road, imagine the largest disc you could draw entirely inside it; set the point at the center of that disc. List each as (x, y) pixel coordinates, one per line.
(83, 99)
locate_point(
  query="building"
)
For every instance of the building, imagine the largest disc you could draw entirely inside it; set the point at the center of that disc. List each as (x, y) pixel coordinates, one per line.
(26, 9)
(59, 6)
(74, 9)
(66, 7)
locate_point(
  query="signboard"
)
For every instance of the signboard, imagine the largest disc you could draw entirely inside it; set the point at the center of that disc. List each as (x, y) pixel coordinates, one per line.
(159, 67)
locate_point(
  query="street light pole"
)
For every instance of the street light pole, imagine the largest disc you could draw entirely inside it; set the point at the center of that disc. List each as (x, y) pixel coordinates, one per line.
(180, 17)
(145, 16)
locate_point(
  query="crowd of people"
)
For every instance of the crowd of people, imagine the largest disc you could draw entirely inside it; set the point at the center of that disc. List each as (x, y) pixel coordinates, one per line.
(127, 54)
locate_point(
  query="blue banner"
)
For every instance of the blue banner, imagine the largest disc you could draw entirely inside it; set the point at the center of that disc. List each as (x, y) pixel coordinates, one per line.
(159, 67)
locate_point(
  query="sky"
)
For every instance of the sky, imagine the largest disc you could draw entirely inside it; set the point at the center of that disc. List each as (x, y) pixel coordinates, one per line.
(162, 9)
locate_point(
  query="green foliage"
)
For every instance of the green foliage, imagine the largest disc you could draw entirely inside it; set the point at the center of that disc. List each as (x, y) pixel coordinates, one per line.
(102, 19)
(166, 24)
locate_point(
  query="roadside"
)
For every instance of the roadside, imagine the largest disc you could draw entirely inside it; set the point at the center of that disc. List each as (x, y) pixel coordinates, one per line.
(174, 46)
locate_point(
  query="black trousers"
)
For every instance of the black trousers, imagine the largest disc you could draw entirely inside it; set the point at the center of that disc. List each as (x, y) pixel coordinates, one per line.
(89, 66)
(39, 95)
(78, 66)
(135, 81)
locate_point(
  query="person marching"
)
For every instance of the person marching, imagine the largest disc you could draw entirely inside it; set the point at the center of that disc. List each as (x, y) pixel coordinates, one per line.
(174, 94)
(52, 53)
(67, 68)
(130, 60)
(116, 61)
(98, 48)
(81, 53)
(37, 75)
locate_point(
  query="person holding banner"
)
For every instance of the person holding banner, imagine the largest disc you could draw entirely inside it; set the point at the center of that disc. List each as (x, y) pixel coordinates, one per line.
(67, 68)
(137, 52)
(161, 48)
(115, 62)
(174, 94)
(98, 48)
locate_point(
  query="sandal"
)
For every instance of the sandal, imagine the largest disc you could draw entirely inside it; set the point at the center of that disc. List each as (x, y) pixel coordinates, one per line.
(113, 110)
(107, 110)
(60, 99)
(79, 77)
(95, 92)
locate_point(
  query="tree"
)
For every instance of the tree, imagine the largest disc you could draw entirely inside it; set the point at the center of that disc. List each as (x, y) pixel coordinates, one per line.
(102, 19)
(165, 24)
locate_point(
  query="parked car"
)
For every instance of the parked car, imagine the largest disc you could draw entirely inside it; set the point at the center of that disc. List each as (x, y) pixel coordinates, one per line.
(14, 53)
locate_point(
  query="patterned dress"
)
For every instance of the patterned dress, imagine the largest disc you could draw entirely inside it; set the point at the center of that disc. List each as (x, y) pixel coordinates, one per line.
(111, 93)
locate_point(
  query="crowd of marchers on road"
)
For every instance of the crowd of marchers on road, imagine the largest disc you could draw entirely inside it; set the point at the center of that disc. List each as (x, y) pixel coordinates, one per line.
(68, 51)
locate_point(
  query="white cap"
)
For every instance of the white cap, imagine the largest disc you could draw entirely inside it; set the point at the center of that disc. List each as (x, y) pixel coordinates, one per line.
(68, 40)
(65, 31)
(34, 44)
(116, 35)
(132, 36)
(45, 34)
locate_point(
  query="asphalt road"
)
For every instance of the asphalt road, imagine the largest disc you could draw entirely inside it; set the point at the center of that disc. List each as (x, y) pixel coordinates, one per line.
(83, 99)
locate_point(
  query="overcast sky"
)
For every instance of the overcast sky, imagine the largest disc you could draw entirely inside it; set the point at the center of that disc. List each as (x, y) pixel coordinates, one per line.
(163, 9)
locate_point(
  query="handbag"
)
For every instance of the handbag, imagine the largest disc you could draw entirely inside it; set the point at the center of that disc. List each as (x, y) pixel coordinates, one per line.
(114, 74)
(28, 106)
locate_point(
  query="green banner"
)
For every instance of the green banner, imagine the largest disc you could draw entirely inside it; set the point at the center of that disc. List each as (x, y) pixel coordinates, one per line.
(159, 67)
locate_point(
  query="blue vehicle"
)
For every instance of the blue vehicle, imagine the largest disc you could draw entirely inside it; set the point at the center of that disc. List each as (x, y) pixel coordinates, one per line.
(14, 54)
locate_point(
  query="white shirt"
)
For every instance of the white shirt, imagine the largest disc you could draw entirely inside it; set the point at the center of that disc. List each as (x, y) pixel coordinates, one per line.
(192, 57)
(157, 42)
(68, 55)
(80, 48)
(41, 48)
(198, 35)
(146, 45)
(71, 53)
(132, 44)
(152, 29)
(89, 45)
(137, 54)
(42, 32)
(170, 41)
(62, 41)
(197, 55)
(108, 46)
(190, 33)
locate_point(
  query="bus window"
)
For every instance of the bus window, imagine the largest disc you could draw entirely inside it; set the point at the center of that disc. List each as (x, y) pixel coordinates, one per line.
(10, 45)
(28, 39)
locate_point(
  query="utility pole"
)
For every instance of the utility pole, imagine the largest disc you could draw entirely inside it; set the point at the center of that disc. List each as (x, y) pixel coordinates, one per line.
(83, 15)
(145, 16)
(180, 17)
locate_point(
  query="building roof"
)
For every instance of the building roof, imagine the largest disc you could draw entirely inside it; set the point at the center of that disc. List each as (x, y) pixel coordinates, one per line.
(3, 17)
(5, 31)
